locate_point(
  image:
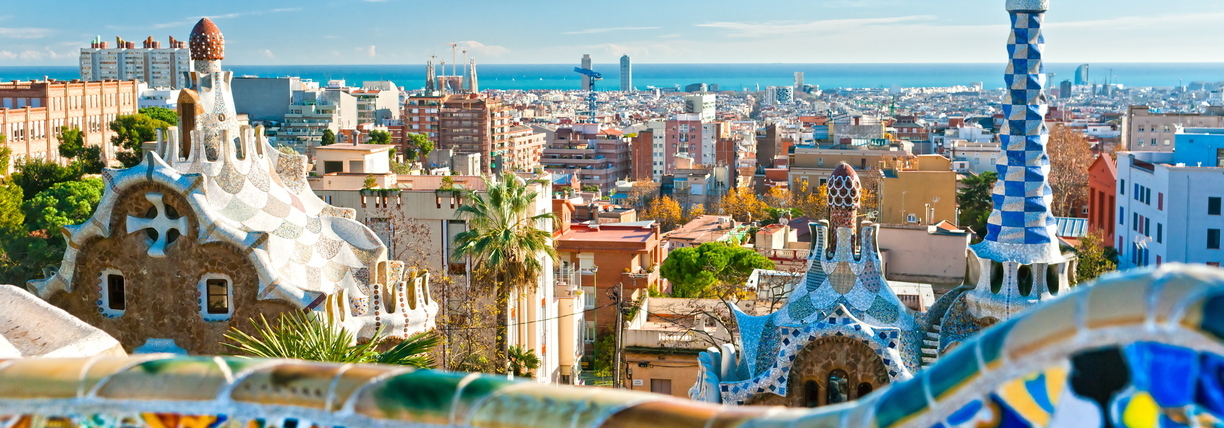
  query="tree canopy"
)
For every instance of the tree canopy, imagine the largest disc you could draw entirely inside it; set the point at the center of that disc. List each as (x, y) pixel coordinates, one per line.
(1070, 157)
(380, 137)
(712, 270)
(421, 143)
(88, 159)
(161, 113)
(63, 204)
(1095, 258)
(975, 201)
(742, 205)
(132, 130)
(35, 175)
(329, 138)
(664, 210)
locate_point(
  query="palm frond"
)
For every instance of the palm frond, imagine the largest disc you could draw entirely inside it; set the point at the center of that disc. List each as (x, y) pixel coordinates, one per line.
(414, 351)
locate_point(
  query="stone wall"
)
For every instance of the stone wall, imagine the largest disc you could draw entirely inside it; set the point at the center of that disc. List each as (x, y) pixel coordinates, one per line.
(162, 295)
(821, 357)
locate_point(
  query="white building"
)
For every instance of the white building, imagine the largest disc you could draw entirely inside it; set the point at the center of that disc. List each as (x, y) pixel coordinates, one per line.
(978, 157)
(159, 67)
(702, 105)
(1169, 203)
(775, 95)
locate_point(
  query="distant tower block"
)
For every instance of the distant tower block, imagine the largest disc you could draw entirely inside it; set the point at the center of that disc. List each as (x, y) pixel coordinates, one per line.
(431, 78)
(626, 73)
(586, 63)
(798, 81)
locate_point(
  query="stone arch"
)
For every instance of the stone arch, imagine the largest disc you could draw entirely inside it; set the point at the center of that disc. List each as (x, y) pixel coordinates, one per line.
(817, 360)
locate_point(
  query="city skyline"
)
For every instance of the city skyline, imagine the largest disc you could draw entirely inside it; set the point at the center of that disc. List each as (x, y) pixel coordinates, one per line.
(842, 31)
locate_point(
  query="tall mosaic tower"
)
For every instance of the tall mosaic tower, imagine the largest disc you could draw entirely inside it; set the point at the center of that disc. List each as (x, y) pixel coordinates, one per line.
(1020, 260)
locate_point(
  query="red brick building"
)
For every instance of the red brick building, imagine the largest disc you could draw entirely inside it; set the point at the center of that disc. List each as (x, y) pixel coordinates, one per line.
(1102, 206)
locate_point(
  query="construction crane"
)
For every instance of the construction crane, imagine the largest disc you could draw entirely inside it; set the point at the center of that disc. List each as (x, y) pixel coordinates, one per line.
(593, 76)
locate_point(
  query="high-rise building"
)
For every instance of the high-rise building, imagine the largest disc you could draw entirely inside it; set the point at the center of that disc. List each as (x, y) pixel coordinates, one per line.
(798, 80)
(1064, 89)
(1082, 75)
(476, 124)
(159, 67)
(626, 74)
(586, 64)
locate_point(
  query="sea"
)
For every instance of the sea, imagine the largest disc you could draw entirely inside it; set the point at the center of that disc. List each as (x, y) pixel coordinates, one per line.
(734, 77)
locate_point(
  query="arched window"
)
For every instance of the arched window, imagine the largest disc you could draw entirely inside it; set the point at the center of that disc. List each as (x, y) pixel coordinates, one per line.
(811, 394)
(838, 386)
(863, 389)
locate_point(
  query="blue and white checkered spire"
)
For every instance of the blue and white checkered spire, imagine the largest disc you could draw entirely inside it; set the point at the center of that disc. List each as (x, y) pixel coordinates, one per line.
(1021, 228)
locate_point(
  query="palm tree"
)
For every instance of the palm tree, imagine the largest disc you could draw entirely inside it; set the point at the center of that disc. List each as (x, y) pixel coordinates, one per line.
(505, 241)
(302, 336)
(523, 361)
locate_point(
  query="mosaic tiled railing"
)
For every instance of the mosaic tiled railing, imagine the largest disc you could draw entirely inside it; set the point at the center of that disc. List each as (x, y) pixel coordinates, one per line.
(1139, 350)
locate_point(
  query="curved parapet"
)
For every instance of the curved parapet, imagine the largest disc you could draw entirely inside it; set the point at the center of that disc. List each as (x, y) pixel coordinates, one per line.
(1135, 349)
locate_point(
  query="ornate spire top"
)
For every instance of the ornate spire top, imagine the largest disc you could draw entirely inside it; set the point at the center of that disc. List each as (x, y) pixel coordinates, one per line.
(207, 43)
(844, 190)
(1028, 5)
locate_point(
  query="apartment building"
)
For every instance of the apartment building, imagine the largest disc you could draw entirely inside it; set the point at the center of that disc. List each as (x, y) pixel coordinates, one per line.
(1146, 131)
(919, 190)
(595, 155)
(157, 66)
(32, 112)
(1169, 204)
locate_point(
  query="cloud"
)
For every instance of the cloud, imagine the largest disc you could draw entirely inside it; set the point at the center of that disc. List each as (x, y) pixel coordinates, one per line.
(606, 30)
(1142, 22)
(475, 47)
(267, 53)
(24, 33)
(782, 28)
(7, 55)
(369, 51)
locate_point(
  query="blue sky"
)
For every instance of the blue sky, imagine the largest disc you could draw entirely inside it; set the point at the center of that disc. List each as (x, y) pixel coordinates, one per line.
(657, 31)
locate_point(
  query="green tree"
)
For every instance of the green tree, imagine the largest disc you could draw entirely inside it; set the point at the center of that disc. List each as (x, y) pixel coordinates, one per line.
(370, 182)
(421, 143)
(712, 270)
(161, 113)
(12, 218)
(523, 361)
(505, 242)
(63, 204)
(88, 159)
(974, 198)
(1094, 258)
(304, 336)
(131, 131)
(35, 175)
(329, 138)
(380, 137)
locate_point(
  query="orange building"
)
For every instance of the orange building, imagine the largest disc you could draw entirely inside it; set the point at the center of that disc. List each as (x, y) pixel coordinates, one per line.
(31, 113)
(602, 257)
